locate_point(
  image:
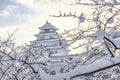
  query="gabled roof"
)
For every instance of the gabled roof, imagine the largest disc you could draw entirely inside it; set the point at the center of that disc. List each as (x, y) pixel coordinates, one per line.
(48, 25)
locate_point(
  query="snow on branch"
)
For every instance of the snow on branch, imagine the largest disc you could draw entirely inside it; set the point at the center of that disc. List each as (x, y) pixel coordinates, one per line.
(102, 65)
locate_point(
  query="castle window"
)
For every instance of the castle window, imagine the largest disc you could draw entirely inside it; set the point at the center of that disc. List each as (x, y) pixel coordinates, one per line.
(46, 30)
(51, 37)
(60, 43)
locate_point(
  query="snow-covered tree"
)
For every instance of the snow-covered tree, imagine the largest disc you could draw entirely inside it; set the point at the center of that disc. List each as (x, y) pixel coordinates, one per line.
(98, 40)
(13, 64)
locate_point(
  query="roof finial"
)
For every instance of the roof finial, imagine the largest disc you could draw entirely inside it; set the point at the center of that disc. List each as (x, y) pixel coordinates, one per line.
(47, 22)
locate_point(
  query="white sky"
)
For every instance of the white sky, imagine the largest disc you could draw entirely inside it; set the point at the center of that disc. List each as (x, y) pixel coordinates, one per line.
(42, 9)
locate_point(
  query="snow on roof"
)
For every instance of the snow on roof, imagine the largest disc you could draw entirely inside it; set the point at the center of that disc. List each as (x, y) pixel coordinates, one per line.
(47, 25)
(54, 47)
(58, 55)
(47, 34)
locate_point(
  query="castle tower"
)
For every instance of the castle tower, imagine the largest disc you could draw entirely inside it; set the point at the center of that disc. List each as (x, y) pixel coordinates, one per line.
(49, 40)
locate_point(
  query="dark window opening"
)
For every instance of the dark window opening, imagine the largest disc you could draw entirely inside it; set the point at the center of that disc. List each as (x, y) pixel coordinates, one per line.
(46, 30)
(60, 43)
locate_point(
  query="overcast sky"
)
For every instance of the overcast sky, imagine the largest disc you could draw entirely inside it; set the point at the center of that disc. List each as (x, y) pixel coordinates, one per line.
(28, 15)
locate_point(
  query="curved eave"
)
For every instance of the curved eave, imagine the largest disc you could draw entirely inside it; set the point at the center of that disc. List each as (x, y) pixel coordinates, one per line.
(47, 27)
(41, 34)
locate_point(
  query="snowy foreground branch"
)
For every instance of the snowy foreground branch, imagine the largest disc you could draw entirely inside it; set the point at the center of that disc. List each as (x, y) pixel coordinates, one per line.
(99, 65)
